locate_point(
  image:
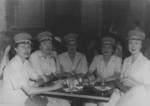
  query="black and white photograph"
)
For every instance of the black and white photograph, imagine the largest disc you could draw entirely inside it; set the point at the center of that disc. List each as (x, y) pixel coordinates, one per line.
(74, 52)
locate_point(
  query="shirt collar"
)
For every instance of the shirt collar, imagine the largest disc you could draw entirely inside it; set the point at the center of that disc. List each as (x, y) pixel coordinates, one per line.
(111, 58)
(19, 60)
(139, 58)
(41, 54)
(76, 54)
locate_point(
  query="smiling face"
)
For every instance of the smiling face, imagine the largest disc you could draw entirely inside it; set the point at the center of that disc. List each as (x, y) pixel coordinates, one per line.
(46, 47)
(107, 50)
(23, 50)
(135, 46)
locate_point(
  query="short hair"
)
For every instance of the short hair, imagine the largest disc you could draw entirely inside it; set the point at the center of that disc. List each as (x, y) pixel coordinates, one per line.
(12, 51)
(100, 45)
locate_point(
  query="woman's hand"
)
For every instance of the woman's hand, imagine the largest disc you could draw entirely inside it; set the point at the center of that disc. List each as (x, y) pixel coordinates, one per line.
(58, 85)
(54, 54)
(40, 82)
(91, 79)
(99, 79)
(128, 81)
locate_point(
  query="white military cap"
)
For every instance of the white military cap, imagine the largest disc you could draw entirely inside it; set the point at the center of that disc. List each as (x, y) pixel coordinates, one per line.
(108, 40)
(71, 37)
(23, 37)
(136, 35)
(46, 35)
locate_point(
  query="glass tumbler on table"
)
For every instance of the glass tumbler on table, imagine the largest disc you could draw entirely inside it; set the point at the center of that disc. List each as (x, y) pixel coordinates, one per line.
(71, 83)
(103, 85)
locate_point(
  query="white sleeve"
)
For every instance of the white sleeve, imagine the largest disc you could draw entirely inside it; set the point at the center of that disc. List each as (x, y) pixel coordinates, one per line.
(17, 79)
(32, 74)
(93, 65)
(118, 65)
(146, 74)
(34, 62)
(84, 68)
(123, 67)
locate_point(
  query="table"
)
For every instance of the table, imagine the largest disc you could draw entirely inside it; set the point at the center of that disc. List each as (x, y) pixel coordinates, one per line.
(82, 96)
(87, 93)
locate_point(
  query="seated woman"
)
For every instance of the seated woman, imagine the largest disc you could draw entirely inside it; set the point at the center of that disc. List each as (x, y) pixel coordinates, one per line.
(18, 76)
(135, 74)
(72, 62)
(44, 61)
(107, 66)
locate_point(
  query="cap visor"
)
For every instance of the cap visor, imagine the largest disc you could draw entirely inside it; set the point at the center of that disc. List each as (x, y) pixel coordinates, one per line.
(134, 38)
(24, 41)
(45, 39)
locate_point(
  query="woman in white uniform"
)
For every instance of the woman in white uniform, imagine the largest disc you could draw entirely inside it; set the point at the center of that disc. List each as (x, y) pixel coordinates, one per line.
(135, 74)
(72, 62)
(44, 61)
(18, 75)
(107, 65)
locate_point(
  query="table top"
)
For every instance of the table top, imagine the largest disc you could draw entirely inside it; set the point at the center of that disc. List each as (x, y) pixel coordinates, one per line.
(88, 92)
(75, 95)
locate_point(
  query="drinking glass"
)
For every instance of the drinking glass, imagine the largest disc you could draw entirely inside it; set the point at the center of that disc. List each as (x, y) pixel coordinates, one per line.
(71, 83)
(103, 83)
